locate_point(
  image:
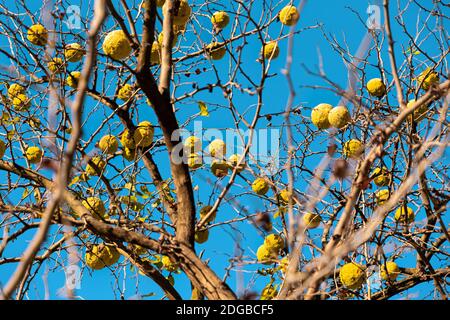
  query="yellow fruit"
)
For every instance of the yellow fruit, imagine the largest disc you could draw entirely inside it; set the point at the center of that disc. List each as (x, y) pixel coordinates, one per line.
(201, 236)
(101, 256)
(274, 243)
(319, 115)
(168, 264)
(96, 207)
(34, 154)
(125, 92)
(339, 117)
(381, 177)
(403, 216)
(311, 220)
(56, 65)
(420, 112)
(271, 50)
(283, 264)
(129, 154)
(219, 168)
(116, 45)
(220, 19)
(353, 148)
(352, 275)
(204, 211)
(155, 57)
(2, 148)
(265, 256)
(381, 196)
(216, 50)
(21, 102)
(260, 186)
(74, 52)
(143, 135)
(161, 39)
(184, 12)
(194, 161)
(99, 163)
(427, 78)
(376, 87)
(127, 139)
(217, 149)
(269, 292)
(37, 35)
(389, 271)
(233, 161)
(15, 89)
(192, 144)
(289, 15)
(284, 196)
(73, 78)
(108, 144)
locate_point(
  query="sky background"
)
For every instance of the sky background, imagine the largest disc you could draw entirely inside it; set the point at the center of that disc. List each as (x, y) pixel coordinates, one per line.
(336, 20)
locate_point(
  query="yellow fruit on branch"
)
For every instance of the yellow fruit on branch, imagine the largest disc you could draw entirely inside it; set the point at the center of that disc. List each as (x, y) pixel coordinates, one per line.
(216, 50)
(204, 211)
(274, 243)
(183, 14)
(353, 149)
(311, 220)
(2, 148)
(99, 163)
(34, 154)
(116, 45)
(381, 176)
(339, 117)
(260, 186)
(96, 207)
(389, 271)
(201, 236)
(73, 78)
(14, 90)
(143, 135)
(289, 15)
(376, 87)
(108, 144)
(319, 115)
(101, 255)
(161, 39)
(37, 35)
(427, 79)
(219, 168)
(217, 149)
(381, 196)
(283, 264)
(265, 256)
(352, 275)
(233, 161)
(21, 102)
(127, 139)
(404, 216)
(284, 196)
(168, 264)
(192, 144)
(220, 19)
(129, 154)
(271, 50)
(419, 113)
(194, 161)
(125, 92)
(56, 65)
(74, 52)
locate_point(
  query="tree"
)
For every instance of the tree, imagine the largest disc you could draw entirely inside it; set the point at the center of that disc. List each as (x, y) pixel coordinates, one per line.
(104, 163)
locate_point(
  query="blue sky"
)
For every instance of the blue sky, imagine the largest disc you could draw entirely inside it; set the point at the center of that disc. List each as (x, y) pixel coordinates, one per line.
(336, 19)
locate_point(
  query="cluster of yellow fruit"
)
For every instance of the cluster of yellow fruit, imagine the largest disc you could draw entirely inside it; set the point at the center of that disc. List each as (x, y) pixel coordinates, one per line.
(101, 256)
(324, 116)
(96, 207)
(268, 252)
(141, 137)
(17, 95)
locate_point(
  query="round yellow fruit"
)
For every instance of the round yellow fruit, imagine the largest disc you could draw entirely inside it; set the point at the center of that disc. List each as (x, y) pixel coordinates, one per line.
(125, 92)
(265, 256)
(220, 19)
(14, 90)
(143, 135)
(376, 87)
(216, 50)
(192, 144)
(260, 186)
(353, 148)
(274, 243)
(101, 256)
(129, 154)
(381, 176)
(127, 139)
(74, 52)
(99, 163)
(427, 78)
(96, 207)
(352, 275)
(73, 78)
(108, 144)
(201, 236)
(217, 149)
(155, 57)
(168, 264)
(56, 65)
(284, 196)
(381, 196)
(420, 112)
(339, 117)
(37, 35)
(271, 50)
(319, 115)
(2, 149)
(389, 271)
(219, 168)
(204, 211)
(116, 45)
(403, 216)
(161, 39)
(311, 220)
(194, 161)
(34, 154)
(21, 102)
(289, 15)
(233, 161)
(184, 12)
